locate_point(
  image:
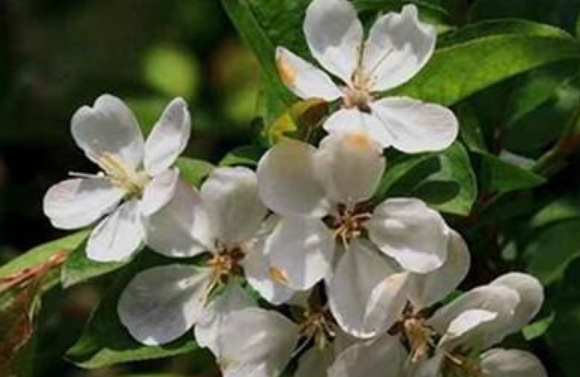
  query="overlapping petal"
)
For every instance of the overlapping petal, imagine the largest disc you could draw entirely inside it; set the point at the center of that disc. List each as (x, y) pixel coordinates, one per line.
(416, 126)
(159, 191)
(217, 313)
(366, 293)
(289, 183)
(161, 304)
(181, 228)
(230, 197)
(76, 203)
(343, 156)
(398, 47)
(356, 121)
(427, 289)
(108, 128)
(255, 342)
(169, 137)
(334, 35)
(300, 252)
(304, 79)
(117, 237)
(411, 233)
(382, 357)
(499, 362)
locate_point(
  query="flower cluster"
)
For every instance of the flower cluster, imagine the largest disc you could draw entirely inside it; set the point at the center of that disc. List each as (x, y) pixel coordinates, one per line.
(348, 285)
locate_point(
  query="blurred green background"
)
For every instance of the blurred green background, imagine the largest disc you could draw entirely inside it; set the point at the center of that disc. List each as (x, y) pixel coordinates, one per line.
(57, 55)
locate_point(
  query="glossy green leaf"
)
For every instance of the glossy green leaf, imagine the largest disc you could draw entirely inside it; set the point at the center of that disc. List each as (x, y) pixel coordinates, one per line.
(552, 250)
(498, 175)
(562, 335)
(247, 155)
(194, 171)
(482, 55)
(106, 342)
(41, 254)
(79, 268)
(445, 180)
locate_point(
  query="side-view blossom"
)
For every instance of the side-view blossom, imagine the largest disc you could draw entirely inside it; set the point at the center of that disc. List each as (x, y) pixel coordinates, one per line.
(322, 205)
(223, 225)
(397, 48)
(136, 178)
(479, 319)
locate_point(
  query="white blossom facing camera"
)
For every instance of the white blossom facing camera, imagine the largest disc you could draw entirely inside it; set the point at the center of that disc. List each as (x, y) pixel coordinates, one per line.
(397, 48)
(322, 206)
(224, 223)
(136, 177)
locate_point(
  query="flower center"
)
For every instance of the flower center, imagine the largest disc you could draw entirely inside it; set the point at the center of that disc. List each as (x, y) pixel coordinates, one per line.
(356, 97)
(225, 262)
(318, 325)
(418, 336)
(458, 365)
(348, 224)
(122, 175)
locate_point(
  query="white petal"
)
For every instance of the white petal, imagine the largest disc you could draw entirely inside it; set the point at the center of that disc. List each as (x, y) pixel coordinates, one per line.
(159, 192)
(499, 362)
(181, 228)
(169, 137)
(366, 294)
(288, 181)
(427, 289)
(398, 47)
(76, 203)
(467, 321)
(259, 276)
(256, 342)
(315, 362)
(344, 156)
(407, 230)
(230, 196)
(108, 128)
(383, 357)
(496, 299)
(300, 252)
(334, 35)
(162, 303)
(531, 297)
(304, 79)
(416, 126)
(210, 324)
(354, 120)
(118, 236)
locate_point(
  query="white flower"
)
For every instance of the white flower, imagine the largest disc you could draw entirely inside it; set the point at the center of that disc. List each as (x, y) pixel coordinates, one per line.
(397, 48)
(223, 220)
(479, 319)
(323, 197)
(136, 177)
(249, 341)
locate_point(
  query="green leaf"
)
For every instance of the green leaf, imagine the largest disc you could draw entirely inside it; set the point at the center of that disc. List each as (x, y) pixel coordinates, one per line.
(552, 250)
(445, 180)
(537, 10)
(105, 341)
(79, 268)
(246, 155)
(562, 335)
(263, 27)
(557, 210)
(41, 254)
(194, 171)
(485, 54)
(498, 175)
(537, 88)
